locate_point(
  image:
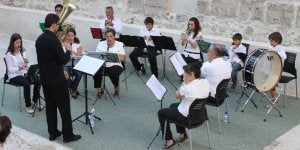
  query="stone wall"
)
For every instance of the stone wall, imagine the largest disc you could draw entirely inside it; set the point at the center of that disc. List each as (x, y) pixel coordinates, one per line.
(255, 19)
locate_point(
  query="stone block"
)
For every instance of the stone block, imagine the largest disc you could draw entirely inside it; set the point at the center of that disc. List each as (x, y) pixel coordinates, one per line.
(224, 8)
(203, 7)
(280, 13)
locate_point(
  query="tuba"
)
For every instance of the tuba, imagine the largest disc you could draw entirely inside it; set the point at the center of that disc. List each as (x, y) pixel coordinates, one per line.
(64, 26)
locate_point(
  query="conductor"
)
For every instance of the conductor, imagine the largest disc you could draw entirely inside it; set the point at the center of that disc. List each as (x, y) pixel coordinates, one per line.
(51, 58)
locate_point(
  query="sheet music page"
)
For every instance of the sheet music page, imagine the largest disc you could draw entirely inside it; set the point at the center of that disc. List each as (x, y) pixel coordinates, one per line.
(89, 65)
(156, 87)
(178, 63)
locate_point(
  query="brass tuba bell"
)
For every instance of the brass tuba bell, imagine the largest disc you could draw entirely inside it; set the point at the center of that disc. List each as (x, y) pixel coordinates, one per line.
(64, 26)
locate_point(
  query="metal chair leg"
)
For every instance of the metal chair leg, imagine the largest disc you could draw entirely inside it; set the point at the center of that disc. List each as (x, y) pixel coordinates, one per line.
(296, 89)
(164, 137)
(3, 91)
(208, 135)
(227, 110)
(125, 80)
(20, 99)
(284, 95)
(190, 134)
(218, 113)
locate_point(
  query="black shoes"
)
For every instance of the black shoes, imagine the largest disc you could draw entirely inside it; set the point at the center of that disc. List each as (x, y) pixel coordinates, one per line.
(143, 70)
(185, 137)
(72, 138)
(52, 137)
(233, 86)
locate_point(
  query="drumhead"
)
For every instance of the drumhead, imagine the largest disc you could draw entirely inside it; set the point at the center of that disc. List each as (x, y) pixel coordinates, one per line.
(263, 69)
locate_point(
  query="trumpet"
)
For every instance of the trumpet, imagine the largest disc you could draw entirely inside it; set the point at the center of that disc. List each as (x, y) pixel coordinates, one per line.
(108, 23)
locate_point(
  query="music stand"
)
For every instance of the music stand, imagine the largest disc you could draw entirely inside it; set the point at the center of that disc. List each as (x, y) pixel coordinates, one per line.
(107, 57)
(96, 33)
(88, 65)
(133, 41)
(164, 43)
(159, 92)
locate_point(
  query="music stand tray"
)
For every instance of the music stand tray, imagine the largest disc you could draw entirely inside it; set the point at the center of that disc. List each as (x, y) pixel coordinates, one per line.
(203, 45)
(132, 41)
(96, 33)
(88, 65)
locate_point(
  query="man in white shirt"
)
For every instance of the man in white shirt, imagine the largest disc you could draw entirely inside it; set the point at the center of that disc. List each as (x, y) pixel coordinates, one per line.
(111, 22)
(236, 62)
(146, 32)
(216, 68)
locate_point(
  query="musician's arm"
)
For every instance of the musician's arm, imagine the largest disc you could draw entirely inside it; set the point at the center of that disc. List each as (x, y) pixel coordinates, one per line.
(122, 55)
(79, 51)
(61, 56)
(118, 26)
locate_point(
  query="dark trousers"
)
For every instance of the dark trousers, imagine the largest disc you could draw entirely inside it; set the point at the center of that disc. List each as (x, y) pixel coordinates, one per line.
(73, 83)
(25, 82)
(173, 114)
(188, 59)
(151, 53)
(57, 96)
(113, 73)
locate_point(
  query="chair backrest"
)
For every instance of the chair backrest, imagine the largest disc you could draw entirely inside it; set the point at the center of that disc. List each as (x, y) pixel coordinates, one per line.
(221, 93)
(289, 64)
(197, 113)
(247, 47)
(5, 75)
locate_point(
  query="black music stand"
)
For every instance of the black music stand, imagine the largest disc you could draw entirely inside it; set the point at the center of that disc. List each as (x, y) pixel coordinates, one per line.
(94, 66)
(96, 33)
(107, 57)
(133, 41)
(164, 43)
(159, 92)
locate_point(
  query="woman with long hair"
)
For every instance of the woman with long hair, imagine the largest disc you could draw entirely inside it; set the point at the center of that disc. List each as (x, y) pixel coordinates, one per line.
(17, 67)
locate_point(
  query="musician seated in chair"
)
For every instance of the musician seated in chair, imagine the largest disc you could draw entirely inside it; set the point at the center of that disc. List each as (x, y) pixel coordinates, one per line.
(110, 45)
(146, 32)
(275, 41)
(189, 41)
(17, 67)
(111, 22)
(192, 88)
(216, 68)
(236, 63)
(75, 53)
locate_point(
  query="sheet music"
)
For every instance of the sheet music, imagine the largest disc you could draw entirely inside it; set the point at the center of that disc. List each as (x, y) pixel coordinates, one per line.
(156, 87)
(89, 65)
(178, 63)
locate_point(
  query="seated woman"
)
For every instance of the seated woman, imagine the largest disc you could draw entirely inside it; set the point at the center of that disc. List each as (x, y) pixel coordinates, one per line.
(192, 88)
(110, 45)
(75, 53)
(5, 127)
(17, 66)
(189, 41)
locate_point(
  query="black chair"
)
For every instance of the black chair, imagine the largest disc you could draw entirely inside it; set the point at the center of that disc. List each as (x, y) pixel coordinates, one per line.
(6, 81)
(220, 98)
(290, 68)
(145, 56)
(197, 116)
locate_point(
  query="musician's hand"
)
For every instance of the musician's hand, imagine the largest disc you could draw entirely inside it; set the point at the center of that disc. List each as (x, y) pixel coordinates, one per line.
(68, 46)
(122, 58)
(233, 62)
(178, 95)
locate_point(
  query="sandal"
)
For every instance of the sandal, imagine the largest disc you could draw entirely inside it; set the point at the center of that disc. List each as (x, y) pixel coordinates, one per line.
(169, 146)
(185, 137)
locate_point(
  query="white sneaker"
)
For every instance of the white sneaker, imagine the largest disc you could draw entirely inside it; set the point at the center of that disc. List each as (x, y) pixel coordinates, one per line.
(29, 110)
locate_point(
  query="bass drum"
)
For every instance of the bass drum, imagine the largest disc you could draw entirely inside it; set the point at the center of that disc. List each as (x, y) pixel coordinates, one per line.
(262, 69)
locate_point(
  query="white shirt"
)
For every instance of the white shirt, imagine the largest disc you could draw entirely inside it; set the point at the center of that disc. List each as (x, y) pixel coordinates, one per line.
(214, 72)
(196, 89)
(280, 50)
(232, 53)
(118, 48)
(153, 32)
(188, 48)
(117, 26)
(13, 63)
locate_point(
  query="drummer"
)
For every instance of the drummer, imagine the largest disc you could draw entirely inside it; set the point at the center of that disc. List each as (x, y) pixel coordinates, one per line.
(75, 54)
(216, 68)
(275, 41)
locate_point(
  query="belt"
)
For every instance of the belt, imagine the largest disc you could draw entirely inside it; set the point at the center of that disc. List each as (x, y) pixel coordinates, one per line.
(191, 52)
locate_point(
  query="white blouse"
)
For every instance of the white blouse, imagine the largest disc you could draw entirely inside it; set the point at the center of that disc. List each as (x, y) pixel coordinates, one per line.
(188, 48)
(195, 89)
(13, 63)
(118, 48)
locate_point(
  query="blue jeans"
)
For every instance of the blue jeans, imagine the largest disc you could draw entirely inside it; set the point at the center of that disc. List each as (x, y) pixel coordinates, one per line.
(73, 84)
(235, 68)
